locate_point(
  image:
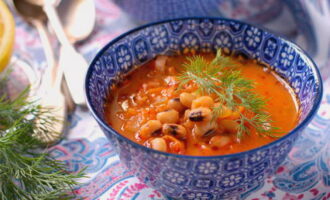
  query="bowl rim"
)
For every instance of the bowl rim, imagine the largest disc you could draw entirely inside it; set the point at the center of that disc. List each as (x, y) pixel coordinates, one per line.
(305, 122)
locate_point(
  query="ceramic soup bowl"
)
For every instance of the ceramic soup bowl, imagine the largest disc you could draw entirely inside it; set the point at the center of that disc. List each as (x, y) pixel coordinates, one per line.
(192, 177)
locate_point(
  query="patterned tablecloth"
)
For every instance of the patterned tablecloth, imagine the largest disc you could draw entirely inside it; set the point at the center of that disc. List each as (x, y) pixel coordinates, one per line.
(304, 175)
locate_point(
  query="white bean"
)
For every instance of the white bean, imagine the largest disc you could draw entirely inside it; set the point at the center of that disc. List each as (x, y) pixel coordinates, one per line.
(175, 104)
(150, 128)
(220, 141)
(186, 99)
(169, 116)
(203, 101)
(230, 126)
(159, 144)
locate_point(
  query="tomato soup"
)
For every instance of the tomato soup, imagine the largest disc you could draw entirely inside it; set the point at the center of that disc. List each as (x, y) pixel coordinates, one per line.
(150, 108)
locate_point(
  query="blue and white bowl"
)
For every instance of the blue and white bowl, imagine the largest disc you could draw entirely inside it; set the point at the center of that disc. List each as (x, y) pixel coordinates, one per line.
(192, 177)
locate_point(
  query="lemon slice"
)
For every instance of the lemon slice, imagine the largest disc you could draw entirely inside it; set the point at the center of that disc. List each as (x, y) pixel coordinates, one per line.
(7, 34)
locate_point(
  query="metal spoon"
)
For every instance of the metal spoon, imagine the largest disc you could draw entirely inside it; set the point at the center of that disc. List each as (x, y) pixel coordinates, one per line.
(51, 95)
(78, 19)
(73, 63)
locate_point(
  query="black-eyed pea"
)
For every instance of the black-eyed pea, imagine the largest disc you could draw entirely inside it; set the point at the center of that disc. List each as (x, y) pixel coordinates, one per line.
(175, 130)
(186, 114)
(149, 129)
(186, 99)
(203, 101)
(220, 141)
(196, 94)
(200, 115)
(158, 144)
(174, 145)
(168, 116)
(225, 112)
(188, 124)
(237, 113)
(175, 104)
(205, 129)
(230, 126)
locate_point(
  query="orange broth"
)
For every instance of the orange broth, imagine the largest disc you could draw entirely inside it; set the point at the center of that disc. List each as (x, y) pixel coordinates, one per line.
(146, 91)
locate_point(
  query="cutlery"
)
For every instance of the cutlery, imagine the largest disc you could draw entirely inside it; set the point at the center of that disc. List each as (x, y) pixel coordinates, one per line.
(50, 94)
(73, 63)
(71, 15)
(77, 18)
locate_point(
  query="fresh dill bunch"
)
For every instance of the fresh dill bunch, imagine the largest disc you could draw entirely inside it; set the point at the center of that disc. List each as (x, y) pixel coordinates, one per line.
(28, 172)
(222, 78)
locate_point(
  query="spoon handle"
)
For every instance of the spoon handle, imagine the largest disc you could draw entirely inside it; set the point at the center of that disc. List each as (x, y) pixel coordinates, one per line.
(50, 95)
(74, 67)
(53, 77)
(73, 64)
(56, 24)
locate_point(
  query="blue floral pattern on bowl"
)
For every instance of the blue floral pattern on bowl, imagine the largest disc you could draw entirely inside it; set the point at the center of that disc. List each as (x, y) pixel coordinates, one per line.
(191, 177)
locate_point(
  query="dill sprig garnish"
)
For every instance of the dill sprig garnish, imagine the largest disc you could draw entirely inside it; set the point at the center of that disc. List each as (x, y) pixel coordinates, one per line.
(27, 171)
(222, 78)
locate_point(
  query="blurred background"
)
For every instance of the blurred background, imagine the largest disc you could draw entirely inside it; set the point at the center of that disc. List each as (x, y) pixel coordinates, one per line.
(306, 22)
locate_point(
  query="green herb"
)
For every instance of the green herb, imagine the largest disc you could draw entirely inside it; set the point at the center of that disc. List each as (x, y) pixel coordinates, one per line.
(222, 78)
(27, 172)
